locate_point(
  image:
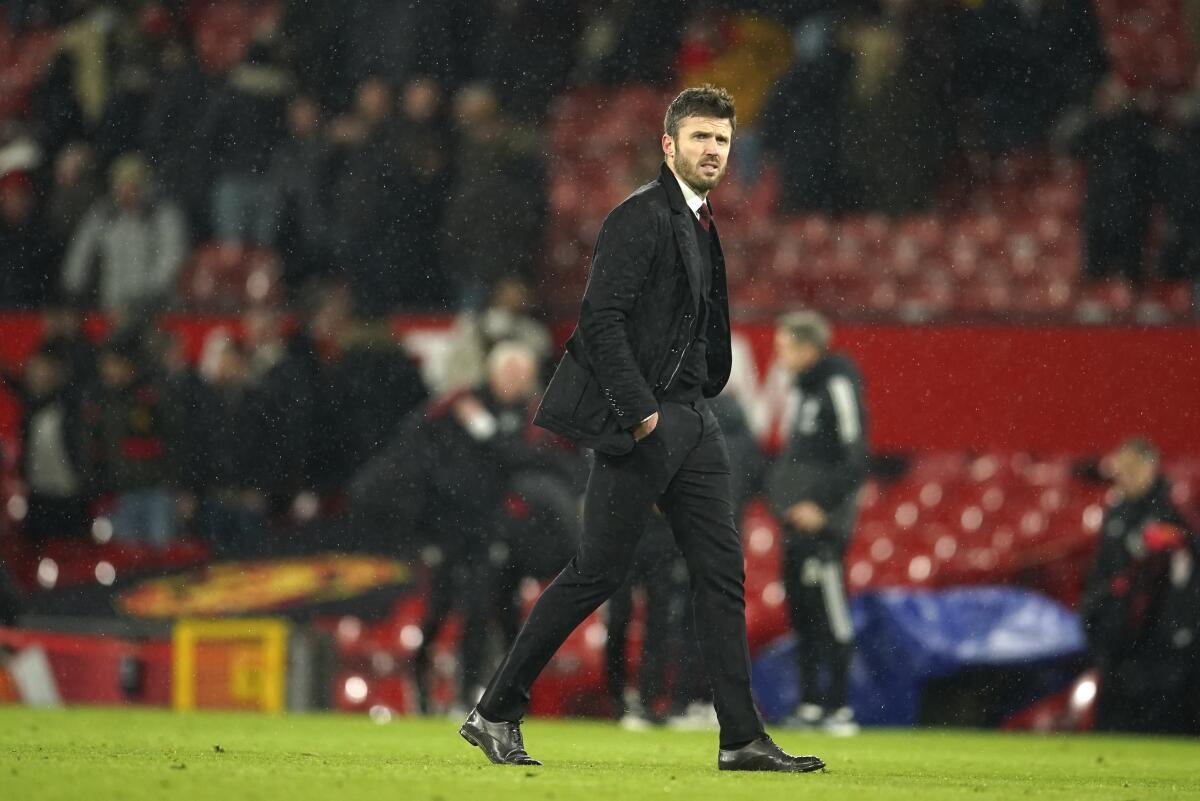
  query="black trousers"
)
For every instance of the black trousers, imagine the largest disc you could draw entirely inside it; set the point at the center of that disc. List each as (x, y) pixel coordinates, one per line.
(816, 593)
(464, 580)
(683, 466)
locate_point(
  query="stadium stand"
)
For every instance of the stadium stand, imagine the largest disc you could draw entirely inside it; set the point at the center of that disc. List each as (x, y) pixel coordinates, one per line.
(999, 247)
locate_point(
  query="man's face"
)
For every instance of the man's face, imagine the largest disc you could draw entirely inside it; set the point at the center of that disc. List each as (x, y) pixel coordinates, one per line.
(796, 355)
(1132, 473)
(700, 153)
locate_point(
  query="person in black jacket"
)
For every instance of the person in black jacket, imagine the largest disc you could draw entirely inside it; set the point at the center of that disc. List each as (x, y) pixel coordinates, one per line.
(241, 128)
(813, 491)
(452, 472)
(1115, 144)
(228, 454)
(52, 463)
(652, 343)
(1141, 604)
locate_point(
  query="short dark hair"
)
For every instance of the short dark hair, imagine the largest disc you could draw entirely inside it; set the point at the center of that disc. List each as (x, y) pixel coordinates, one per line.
(700, 101)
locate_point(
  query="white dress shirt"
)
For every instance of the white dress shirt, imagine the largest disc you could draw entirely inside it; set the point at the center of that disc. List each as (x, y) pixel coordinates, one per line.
(690, 197)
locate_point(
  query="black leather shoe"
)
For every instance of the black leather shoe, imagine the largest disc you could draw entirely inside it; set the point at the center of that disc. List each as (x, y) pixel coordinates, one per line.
(500, 742)
(763, 754)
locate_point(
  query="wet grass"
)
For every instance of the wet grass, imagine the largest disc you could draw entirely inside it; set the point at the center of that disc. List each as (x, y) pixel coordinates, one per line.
(100, 754)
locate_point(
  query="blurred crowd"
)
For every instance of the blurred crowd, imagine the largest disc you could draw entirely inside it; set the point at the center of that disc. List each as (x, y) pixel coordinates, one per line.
(402, 147)
(394, 156)
(131, 437)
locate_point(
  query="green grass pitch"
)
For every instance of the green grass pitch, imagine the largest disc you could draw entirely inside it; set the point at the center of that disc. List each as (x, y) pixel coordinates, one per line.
(122, 754)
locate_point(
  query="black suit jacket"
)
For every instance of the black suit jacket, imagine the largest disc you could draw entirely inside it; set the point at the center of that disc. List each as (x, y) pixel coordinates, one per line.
(637, 321)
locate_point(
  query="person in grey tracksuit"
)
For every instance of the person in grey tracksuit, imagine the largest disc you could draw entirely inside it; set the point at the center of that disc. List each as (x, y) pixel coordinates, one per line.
(813, 491)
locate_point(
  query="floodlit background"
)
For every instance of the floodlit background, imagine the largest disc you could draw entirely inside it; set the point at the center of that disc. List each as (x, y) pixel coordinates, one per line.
(258, 448)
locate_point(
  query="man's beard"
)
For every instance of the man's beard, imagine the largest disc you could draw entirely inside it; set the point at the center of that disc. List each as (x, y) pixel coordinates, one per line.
(689, 171)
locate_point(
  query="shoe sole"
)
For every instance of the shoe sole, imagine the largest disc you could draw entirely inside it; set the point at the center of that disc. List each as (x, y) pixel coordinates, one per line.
(813, 769)
(819, 766)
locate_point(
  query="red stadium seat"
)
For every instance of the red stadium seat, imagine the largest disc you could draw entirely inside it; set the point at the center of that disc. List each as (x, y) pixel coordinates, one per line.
(1165, 303)
(229, 277)
(1102, 301)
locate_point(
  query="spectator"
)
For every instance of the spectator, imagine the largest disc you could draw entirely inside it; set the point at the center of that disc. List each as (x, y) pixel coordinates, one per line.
(386, 38)
(62, 332)
(26, 248)
(225, 453)
(366, 203)
(647, 38)
(448, 472)
(52, 447)
(1141, 605)
(746, 52)
(241, 128)
(135, 240)
(284, 379)
(1024, 63)
(813, 491)
(497, 196)
(55, 108)
(295, 180)
(74, 190)
(133, 436)
(1179, 182)
(507, 318)
(802, 119)
(895, 123)
(1115, 144)
(130, 94)
(367, 384)
(174, 142)
(421, 183)
(86, 44)
(526, 71)
(314, 42)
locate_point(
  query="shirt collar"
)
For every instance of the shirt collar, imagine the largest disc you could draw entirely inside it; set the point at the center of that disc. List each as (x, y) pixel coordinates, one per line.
(690, 197)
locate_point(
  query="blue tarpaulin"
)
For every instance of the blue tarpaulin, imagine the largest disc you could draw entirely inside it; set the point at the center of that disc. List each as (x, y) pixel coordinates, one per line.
(905, 638)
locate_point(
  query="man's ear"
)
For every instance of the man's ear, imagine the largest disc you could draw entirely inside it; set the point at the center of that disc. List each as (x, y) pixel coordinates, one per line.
(668, 145)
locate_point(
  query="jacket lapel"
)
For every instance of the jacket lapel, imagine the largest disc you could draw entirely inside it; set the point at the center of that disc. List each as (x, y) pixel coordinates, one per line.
(685, 232)
(718, 256)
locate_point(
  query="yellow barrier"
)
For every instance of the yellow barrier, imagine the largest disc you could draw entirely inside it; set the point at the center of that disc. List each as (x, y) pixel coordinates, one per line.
(230, 664)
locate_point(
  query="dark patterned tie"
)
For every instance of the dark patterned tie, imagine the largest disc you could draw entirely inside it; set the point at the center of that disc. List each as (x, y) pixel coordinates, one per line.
(705, 217)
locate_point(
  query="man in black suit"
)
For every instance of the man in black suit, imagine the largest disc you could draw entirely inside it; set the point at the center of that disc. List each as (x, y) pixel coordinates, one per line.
(652, 343)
